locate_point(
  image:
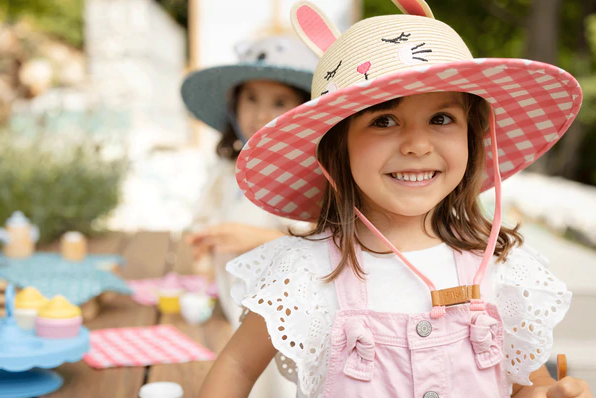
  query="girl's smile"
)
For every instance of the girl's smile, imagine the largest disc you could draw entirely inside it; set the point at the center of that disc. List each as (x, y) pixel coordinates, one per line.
(414, 178)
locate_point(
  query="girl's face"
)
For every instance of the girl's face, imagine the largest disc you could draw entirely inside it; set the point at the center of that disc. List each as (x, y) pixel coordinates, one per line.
(260, 101)
(407, 159)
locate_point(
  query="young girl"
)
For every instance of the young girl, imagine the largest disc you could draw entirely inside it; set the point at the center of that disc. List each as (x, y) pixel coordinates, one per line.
(273, 76)
(404, 131)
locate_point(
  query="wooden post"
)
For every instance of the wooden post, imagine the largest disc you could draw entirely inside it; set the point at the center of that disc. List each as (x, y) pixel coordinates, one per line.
(193, 58)
(357, 10)
(193, 34)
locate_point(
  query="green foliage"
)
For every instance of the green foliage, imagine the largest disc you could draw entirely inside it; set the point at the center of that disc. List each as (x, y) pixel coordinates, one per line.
(60, 186)
(60, 18)
(178, 9)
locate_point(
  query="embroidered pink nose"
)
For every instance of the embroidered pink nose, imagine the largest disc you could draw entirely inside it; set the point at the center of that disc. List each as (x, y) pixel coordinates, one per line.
(484, 336)
(362, 69)
(361, 345)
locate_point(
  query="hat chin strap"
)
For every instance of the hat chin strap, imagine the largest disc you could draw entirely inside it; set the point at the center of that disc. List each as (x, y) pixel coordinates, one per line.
(476, 303)
(233, 120)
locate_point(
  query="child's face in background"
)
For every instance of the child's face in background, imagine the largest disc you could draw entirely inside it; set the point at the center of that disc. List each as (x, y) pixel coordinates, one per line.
(261, 101)
(407, 159)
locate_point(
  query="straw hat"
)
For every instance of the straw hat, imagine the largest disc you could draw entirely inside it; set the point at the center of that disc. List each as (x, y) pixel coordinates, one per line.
(382, 58)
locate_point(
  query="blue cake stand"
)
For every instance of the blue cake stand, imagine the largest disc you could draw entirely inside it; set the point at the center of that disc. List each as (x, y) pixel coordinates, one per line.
(25, 359)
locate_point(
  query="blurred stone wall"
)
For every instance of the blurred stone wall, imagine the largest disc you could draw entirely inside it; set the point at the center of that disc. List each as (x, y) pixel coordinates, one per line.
(136, 61)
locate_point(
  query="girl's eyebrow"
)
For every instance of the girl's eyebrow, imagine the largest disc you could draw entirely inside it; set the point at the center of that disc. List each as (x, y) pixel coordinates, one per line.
(384, 106)
(283, 97)
(451, 104)
(391, 105)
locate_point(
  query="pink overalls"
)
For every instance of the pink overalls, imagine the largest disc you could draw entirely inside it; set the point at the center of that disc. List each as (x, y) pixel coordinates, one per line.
(379, 355)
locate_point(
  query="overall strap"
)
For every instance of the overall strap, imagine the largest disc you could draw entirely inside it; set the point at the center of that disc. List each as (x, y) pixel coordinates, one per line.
(467, 265)
(351, 290)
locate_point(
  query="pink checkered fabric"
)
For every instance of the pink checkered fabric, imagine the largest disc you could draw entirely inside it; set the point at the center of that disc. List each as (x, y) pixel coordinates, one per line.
(534, 104)
(143, 346)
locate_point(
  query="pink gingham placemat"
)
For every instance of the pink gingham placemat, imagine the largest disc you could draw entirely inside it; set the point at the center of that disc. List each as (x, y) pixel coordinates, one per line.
(143, 346)
(145, 290)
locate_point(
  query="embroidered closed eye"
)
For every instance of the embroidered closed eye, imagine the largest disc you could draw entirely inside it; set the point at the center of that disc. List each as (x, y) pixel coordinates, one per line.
(331, 74)
(400, 39)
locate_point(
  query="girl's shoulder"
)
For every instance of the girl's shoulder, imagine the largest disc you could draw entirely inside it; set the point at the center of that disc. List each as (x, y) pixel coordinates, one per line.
(285, 254)
(527, 270)
(282, 282)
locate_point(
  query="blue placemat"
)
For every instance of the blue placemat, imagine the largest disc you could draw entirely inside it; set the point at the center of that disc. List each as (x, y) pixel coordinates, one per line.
(96, 260)
(51, 275)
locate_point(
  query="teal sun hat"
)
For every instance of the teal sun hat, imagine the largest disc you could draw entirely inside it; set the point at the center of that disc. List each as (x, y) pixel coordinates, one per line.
(283, 59)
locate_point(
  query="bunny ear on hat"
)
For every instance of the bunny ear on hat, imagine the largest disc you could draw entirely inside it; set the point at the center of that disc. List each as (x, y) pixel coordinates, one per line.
(414, 7)
(313, 27)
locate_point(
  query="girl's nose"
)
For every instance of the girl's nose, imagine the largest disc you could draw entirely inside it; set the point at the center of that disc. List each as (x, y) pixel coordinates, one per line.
(416, 141)
(263, 116)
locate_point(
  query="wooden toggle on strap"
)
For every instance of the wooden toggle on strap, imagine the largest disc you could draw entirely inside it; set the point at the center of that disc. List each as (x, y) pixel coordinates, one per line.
(455, 295)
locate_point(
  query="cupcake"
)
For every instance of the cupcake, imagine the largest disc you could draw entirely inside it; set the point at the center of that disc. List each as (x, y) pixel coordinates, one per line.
(59, 319)
(73, 246)
(27, 303)
(168, 294)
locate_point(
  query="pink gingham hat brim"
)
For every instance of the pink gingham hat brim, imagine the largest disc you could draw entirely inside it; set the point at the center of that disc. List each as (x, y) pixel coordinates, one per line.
(534, 104)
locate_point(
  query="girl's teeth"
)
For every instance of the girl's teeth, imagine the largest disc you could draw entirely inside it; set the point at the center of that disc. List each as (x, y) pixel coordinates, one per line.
(413, 176)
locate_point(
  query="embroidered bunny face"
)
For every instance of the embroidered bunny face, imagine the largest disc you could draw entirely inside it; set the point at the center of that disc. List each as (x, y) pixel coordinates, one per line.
(277, 50)
(392, 43)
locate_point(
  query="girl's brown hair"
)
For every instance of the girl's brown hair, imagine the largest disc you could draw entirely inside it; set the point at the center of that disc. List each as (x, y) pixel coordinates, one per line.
(457, 220)
(229, 146)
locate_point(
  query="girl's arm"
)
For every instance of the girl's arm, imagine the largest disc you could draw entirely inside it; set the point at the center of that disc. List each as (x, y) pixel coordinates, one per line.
(241, 362)
(539, 378)
(232, 238)
(547, 387)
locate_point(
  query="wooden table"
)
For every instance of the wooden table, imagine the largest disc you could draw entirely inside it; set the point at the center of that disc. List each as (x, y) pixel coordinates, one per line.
(148, 255)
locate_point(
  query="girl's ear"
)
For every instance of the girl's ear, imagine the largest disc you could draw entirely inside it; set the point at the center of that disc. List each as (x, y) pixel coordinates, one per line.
(414, 7)
(313, 27)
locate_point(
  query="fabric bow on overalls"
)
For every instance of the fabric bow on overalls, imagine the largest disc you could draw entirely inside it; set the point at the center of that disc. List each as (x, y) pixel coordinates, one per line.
(361, 346)
(485, 337)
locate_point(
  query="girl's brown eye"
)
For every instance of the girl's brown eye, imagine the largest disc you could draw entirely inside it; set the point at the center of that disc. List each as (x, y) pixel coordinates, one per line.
(384, 122)
(441, 119)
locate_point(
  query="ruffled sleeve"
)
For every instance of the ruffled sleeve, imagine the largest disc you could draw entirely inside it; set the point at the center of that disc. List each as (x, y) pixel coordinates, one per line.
(531, 301)
(281, 281)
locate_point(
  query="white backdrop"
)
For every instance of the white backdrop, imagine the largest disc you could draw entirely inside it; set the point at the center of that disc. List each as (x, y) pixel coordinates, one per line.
(222, 24)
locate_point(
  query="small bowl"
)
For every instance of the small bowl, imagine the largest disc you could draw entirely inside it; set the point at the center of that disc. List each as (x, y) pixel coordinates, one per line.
(162, 389)
(196, 308)
(168, 300)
